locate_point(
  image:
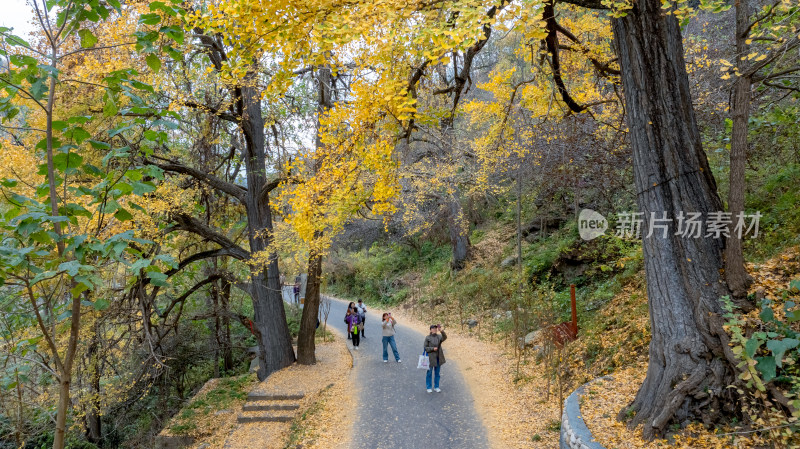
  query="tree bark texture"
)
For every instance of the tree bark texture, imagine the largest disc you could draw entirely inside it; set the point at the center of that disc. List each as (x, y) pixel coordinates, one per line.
(688, 372)
(459, 234)
(269, 317)
(735, 273)
(308, 322)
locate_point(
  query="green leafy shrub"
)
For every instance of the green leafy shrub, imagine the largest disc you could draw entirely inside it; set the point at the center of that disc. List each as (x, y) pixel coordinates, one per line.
(769, 351)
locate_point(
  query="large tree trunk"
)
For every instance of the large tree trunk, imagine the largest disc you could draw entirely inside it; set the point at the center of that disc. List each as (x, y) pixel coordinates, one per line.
(687, 374)
(735, 274)
(308, 323)
(459, 234)
(269, 317)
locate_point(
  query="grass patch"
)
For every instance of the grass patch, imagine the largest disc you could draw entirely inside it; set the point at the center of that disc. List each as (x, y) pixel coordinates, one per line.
(776, 199)
(226, 393)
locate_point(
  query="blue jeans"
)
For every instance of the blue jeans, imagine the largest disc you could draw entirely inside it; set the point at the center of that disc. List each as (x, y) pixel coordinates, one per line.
(390, 340)
(435, 370)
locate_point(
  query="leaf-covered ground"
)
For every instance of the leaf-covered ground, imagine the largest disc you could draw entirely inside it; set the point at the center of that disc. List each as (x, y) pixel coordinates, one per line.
(332, 367)
(516, 415)
(769, 426)
(212, 409)
(210, 417)
(520, 405)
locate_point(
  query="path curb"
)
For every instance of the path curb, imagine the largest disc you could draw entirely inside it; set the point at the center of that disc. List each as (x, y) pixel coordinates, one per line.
(574, 433)
(348, 345)
(352, 354)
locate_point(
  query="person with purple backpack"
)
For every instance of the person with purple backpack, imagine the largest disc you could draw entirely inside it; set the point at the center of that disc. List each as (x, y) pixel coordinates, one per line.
(353, 321)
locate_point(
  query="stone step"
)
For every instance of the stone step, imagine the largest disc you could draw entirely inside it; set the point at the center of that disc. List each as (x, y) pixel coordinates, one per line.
(274, 397)
(268, 407)
(264, 418)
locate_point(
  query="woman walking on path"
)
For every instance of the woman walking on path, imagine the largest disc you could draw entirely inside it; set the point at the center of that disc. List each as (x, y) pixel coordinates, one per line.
(350, 308)
(433, 346)
(352, 327)
(388, 337)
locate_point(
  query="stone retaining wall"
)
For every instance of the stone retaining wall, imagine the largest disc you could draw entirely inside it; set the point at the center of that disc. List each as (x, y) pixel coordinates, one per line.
(574, 433)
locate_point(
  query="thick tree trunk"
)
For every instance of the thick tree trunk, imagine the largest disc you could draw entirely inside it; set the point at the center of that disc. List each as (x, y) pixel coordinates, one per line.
(687, 373)
(735, 274)
(459, 234)
(269, 317)
(308, 323)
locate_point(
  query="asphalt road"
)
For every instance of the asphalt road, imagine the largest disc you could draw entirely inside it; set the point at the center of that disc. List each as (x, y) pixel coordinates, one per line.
(395, 411)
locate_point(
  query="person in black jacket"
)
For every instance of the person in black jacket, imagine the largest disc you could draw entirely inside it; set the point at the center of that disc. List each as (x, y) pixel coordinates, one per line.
(433, 346)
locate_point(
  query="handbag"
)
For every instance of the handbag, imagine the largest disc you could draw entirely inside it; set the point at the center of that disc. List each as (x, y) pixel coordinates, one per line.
(424, 361)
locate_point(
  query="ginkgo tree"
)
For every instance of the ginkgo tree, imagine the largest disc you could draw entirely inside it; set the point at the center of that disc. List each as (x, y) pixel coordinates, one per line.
(62, 225)
(191, 109)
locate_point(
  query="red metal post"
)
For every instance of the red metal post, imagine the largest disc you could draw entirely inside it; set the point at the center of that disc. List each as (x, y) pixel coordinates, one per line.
(574, 310)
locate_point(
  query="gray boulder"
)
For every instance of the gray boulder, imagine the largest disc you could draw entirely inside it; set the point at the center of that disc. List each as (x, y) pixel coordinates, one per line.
(254, 365)
(531, 337)
(509, 261)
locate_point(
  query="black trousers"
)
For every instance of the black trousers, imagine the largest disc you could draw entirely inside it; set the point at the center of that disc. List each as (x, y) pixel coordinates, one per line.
(356, 338)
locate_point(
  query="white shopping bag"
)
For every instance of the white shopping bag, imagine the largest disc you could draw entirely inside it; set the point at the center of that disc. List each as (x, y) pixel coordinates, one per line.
(424, 361)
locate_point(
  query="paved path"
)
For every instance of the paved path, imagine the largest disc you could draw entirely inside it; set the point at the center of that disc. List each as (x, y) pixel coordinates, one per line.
(395, 411)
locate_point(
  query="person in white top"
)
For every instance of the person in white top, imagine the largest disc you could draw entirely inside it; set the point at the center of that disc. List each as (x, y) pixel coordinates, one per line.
(388, 337)
(361, 309)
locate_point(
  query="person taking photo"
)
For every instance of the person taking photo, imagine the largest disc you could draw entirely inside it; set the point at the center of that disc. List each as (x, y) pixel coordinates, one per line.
(387, 323)
(433, 346)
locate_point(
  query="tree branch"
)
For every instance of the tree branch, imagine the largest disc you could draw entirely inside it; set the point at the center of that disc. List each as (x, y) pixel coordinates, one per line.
(269, 187)
(200, 256)
(603, 69)
(776, 53)
(591, 4)
(756, 78)
(759, 19)
(551, 41)
(204, 107)
(234, 190)
(188, 293)
(187, 223)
